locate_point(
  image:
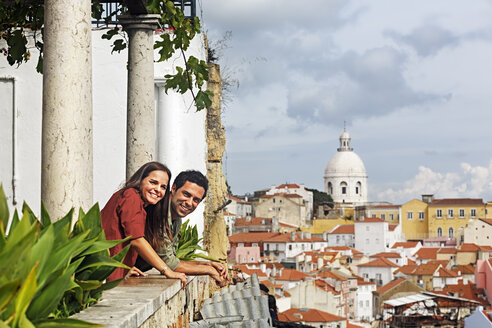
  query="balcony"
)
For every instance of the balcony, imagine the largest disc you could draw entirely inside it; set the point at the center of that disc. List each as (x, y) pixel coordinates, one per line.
(151, 301)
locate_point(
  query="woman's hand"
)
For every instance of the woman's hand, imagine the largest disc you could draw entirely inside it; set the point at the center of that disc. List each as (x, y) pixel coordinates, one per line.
(176, 275)
(135, 272)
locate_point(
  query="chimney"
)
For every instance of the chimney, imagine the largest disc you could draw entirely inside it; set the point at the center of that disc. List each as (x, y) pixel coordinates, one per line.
(275, 226)
(427, 198)
(293, 236)
(325, 236)
(308, 235)
(302, 235)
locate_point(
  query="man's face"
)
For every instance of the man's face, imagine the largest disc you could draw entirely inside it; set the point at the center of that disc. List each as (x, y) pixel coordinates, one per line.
(186, 199)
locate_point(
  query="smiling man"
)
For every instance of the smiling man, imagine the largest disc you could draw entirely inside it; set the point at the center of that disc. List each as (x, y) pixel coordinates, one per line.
(188, 190)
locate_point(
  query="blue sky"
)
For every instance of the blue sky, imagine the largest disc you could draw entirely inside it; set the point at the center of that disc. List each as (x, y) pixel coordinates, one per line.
(412, 79)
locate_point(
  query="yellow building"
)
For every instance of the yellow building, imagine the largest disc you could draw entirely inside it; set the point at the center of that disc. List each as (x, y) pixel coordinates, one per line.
(389, 213)
(448, 217)
(414, 220)
(325, 225)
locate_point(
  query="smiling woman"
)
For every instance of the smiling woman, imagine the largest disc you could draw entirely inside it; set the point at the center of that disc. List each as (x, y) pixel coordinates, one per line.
(136, 211)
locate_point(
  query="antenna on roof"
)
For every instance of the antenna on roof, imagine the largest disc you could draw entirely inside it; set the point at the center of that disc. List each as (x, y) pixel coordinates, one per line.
(344, 126)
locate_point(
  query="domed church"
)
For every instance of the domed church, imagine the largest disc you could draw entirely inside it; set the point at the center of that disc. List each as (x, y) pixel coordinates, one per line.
(345, 175)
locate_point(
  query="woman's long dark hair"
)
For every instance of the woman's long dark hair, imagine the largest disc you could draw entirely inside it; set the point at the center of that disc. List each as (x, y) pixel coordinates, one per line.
(156, 222)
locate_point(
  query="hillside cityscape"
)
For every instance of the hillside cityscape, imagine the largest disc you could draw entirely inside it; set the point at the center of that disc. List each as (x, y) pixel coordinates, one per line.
(333, 259)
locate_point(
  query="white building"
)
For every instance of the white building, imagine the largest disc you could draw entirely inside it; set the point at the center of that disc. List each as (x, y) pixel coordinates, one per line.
(292, 188)
(240, 207)
(379, 271)
(180, 130)
(373, 235)
(364, 300)
(341, 235)
(345, 176)
(285, 247)
(478, 232)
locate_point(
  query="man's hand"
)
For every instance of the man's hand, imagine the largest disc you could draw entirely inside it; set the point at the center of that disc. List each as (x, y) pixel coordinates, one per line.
(222, 269)
(221, 281)
(176, 275)
(135, 272)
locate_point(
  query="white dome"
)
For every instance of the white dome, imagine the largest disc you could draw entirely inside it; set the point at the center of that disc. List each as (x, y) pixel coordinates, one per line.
(345, 163)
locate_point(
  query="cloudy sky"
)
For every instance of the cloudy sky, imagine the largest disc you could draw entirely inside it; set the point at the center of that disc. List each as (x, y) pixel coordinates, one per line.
(412, 79)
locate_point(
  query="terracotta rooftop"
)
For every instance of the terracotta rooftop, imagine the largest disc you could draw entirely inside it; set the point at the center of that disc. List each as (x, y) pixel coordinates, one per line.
(379, 262)
(392, 227)
(464, 269)
(343, 229)
(488, 221)
(286, 237)
(447, 250)
(308, 315)
(243, 268)
(323, 285)
(389, 285)
(473, 248)
(286, 225)
(353, 325)
(344, 248)
(329, 274)
(427, 253)
(426, 269)
(406, 269)
(384, 207)
(388, 255)
(405, 244)
(252, 221)
(468, 291)
(457, 201)
(251, 237)
(290, 275)
(288, 185)
(238, 200)
(443, 272)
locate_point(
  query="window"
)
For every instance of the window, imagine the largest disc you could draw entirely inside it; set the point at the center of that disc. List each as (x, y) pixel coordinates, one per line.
(361, 303)
(421, 215)
(450, 232)
(450, 213)
(377, 240)
(367, 240)
(383, 216)
(439, 214)
(280, 201)
(439, 232)
(462, 212)
(356, 190)
(290, 247)
(373, 216)
(338, 239)
(409, 215)
(473, 212)
(273, 200)
(344, 190)
(367, 303)
(391, 217)
(343, 185)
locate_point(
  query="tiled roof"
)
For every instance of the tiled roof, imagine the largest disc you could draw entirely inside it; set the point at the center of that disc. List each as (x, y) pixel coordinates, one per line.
(343, 229)
(344, 248)
(406, 269)
(427, 253)
(464, 269)
(457, 201)
(410, 261)
(426, 269)
(447, 250)
(388, 255)
(371, 220)
(468, 291)
(380, 262)
(243, 268)
(227, 213)
(323, 285)
(353, 325)
(443, 272)
(286, 237)
(288, 185)
(286, 225)
(242, 303)
(252, 221)
(468, 248)
(488, 221)
(290, 275)
(251, 237)
(392, 227)
(329, 274)
(238, 200)
(389, 285)
(405, 244)
(308, 315)
(384, 207)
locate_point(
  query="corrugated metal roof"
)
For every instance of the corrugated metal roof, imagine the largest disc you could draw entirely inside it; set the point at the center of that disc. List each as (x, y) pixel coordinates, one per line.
(408, 299)
(240, 305)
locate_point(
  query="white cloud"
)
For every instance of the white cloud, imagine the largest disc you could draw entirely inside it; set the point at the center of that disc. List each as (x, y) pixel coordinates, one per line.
(471, 182)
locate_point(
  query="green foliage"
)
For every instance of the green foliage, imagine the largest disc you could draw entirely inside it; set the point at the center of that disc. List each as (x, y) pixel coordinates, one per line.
(17, 17)
(189, 244)
(320, 197)
(50, 271)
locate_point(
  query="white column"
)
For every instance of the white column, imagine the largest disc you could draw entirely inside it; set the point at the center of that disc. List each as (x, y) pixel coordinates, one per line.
(140, 146)
(66, 174)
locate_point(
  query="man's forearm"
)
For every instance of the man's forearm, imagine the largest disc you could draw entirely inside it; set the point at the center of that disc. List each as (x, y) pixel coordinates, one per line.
(195, 267)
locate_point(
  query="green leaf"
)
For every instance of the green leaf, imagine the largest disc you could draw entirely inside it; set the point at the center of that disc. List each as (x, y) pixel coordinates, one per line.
(102, 273)
(4, 208)
(90, 284)
(91, 221)
(7, 292)
(101, 245)
(95, 260)
(41, 250)
(45, 217)
(25, 295)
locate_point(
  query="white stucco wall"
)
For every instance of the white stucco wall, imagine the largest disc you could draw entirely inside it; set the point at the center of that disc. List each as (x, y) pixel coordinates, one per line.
(180, 130)
(370, 237)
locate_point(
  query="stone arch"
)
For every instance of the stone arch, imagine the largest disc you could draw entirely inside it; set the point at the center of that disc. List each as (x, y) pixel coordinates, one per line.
(343, 188)
(358, 188)
(439, 232)
(329, 189)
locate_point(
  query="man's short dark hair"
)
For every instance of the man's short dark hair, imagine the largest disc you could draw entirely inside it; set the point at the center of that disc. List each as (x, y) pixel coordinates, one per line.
(191, 176)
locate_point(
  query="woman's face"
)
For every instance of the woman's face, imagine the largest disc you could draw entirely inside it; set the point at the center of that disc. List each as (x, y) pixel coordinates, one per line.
(153, 187)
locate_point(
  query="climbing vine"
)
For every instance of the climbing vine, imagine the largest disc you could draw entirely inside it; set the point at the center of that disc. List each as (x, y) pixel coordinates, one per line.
(22, 19)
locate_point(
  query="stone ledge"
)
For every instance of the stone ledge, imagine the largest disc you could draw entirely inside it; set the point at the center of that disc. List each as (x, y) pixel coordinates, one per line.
(151, 301)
